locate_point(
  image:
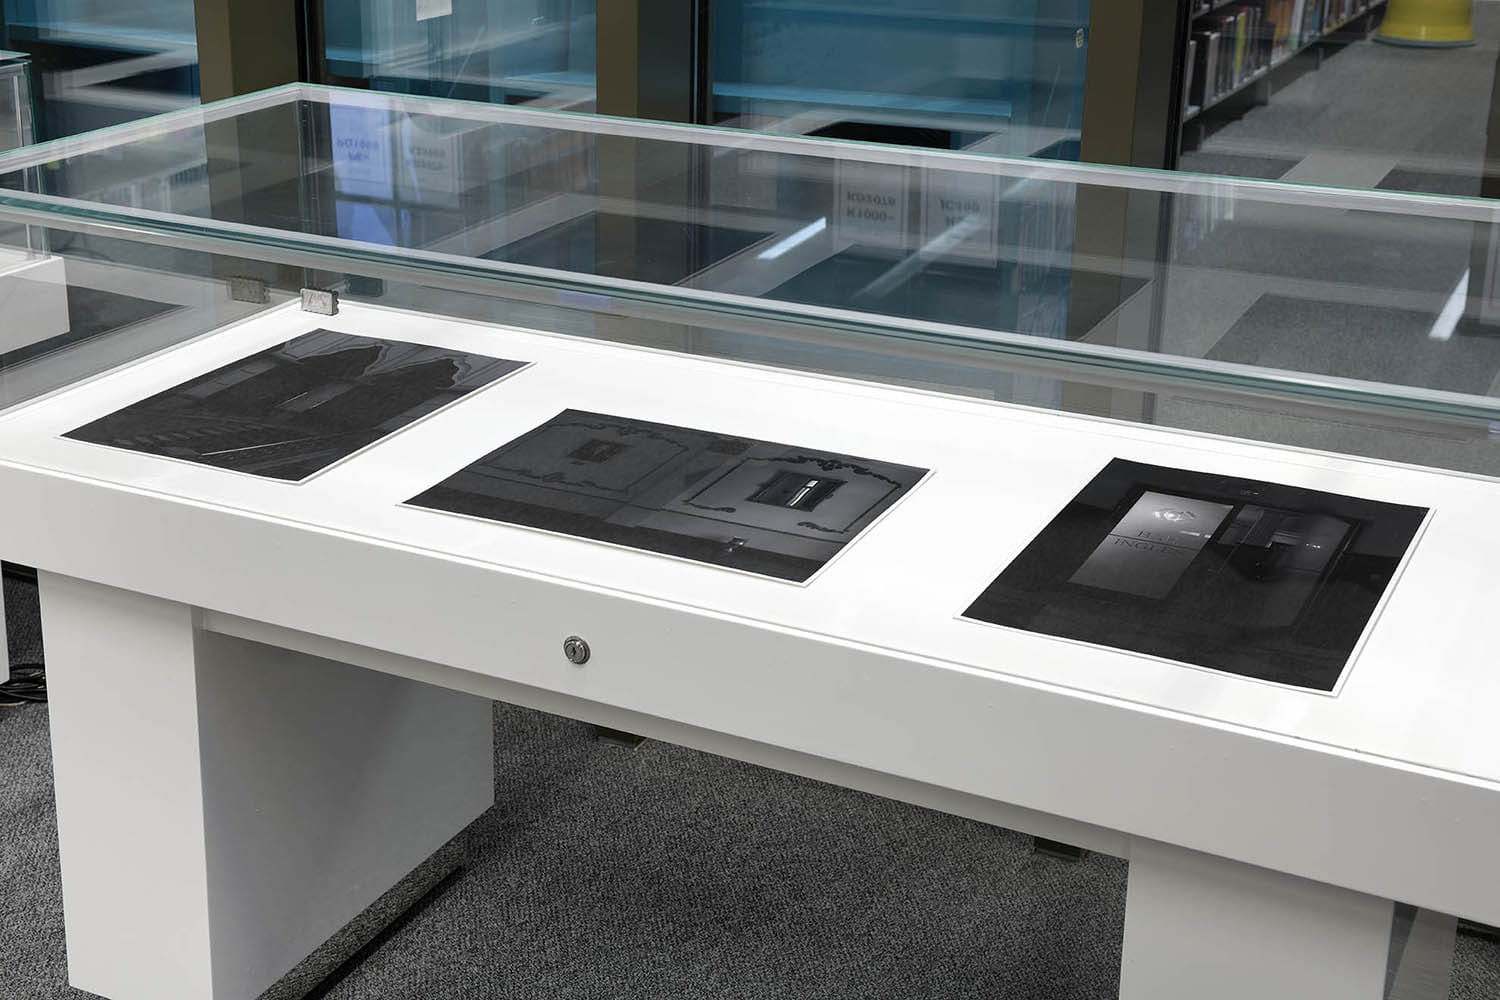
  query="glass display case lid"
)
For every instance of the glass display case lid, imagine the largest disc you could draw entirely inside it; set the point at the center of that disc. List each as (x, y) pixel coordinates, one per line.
(1363, 297)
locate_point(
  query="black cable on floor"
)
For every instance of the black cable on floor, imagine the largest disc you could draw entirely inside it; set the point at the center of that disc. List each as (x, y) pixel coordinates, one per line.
(28, 683)
(389, 931)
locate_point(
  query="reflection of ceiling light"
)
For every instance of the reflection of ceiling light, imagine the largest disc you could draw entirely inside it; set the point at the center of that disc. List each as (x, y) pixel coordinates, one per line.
(1453, 311)
(793, 241)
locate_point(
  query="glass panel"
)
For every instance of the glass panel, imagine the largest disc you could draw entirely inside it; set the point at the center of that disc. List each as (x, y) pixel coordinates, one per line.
(501, 51)
(15, 101)
(296, 409)
(1005, 278)
(959, 74)
(102, 62)
(16, 130)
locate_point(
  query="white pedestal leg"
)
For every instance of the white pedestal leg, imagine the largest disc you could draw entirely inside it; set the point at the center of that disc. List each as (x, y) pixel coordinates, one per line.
(1197, 926)
(224, 807)
(1422, 955)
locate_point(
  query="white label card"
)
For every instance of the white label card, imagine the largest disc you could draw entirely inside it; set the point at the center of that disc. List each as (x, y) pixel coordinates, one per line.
(428, 9)
(871, 204)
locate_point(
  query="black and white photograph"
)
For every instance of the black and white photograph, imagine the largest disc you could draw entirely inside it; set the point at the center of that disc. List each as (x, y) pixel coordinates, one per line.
(1268, 581)
(296, 409)
(772, 509)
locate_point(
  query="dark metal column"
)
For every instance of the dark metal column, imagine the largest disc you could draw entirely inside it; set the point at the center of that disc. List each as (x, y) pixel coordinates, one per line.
(1131, 117)
(651, 64)
(1133, 82)
(652, 59)
(247, 45)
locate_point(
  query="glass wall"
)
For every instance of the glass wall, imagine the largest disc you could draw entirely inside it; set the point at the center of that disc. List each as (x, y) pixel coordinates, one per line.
(102, 62)
(500, 51)
(1001, 76)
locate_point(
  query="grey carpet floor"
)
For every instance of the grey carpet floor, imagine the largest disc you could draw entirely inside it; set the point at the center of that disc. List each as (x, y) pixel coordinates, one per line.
(1373, 343)
(659, 872)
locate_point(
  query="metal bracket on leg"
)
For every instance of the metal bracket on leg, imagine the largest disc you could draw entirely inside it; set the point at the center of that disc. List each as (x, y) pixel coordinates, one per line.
(1484, 931)
(618, 737)
(1056, 849)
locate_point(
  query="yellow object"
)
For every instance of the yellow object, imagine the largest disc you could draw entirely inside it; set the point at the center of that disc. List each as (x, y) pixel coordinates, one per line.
(1428, 22)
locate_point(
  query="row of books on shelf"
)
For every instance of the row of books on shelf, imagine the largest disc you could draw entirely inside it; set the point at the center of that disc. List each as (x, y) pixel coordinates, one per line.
(1304, 20)
(1231, 44)
(1336, 12)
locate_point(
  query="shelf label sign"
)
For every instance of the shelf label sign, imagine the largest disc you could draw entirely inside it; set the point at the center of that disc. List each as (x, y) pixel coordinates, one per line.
(871, 204)
(745, 179)
(361, 152)
(389, 160)
(432, 173)
(960, 216)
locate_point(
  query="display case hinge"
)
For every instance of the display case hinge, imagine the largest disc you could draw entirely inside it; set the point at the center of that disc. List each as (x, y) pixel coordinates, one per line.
(245, 289)
(322, 301)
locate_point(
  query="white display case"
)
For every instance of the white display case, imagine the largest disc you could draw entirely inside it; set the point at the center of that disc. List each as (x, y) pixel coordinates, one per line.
(723, 439)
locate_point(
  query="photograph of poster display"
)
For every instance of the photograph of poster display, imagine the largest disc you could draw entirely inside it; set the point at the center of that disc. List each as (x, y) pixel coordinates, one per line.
(1259, 579)
(295, 409)
(772, 509)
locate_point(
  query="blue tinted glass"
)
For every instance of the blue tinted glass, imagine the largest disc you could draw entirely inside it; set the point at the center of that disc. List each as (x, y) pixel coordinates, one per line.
(500, 51)
(1002, 76)
(102, 62)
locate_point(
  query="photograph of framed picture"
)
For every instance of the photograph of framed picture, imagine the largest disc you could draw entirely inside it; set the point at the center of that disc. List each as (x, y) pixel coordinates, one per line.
(1268, 581)
(296, 409)
(771, 509)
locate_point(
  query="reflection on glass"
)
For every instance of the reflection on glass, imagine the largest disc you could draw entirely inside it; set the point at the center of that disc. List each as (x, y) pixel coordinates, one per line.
(772, 509)
(1002, 77)
(1258, 579)
(676, 250)
(1207, 280)
(102, 62)
(499, 51)
(295, 409)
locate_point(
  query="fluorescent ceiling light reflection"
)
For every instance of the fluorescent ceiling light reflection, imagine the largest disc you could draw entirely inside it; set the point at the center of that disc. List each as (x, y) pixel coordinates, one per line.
(793, 241)
(1447, 321)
